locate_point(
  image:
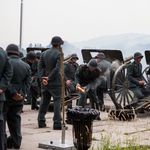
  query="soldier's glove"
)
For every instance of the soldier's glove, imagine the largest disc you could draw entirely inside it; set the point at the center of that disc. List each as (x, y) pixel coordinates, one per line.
(17, 97)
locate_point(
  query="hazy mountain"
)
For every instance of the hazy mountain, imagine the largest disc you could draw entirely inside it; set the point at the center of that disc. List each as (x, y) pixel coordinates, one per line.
(125, 42)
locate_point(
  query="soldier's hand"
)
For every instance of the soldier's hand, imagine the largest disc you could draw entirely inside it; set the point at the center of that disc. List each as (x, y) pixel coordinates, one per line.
(1, 91)
(17, 97)
(142, 82)
(68, 82)
(45, 81)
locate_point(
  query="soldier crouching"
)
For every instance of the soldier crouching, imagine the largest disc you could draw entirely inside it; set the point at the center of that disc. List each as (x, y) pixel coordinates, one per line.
(87, 76)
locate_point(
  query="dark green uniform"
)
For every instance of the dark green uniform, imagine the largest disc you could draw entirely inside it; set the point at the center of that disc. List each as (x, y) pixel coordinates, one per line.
(104, 80)
(134, 72)
(19, 84)
(49, 66)
(6, 73)
(87, 78)
(70, 70)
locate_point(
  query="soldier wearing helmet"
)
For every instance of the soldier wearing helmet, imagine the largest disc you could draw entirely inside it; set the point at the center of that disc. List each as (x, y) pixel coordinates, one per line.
(135, 77)
(15, 94)
(104, 79)
(6, 73)
(70, 68)
(86, 77)
(49, 73)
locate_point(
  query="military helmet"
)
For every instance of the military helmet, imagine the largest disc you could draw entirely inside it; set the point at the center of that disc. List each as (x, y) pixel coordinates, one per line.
(38, 55)
(74, 56)
(138, 55)
(100, 56)
(12, 49)
(56, 40)
(92, 63)
(31, 55)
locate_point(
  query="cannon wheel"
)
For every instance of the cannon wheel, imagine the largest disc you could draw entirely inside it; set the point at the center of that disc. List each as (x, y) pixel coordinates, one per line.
(146, 76)
(122, 95)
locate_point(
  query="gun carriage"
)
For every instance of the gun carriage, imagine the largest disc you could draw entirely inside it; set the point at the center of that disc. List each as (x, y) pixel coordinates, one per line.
(119, 91)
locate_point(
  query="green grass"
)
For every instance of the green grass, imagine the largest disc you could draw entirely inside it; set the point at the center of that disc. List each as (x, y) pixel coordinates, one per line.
(129, 145)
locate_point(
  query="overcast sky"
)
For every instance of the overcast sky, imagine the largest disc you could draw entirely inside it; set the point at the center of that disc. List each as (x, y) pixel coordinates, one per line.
(74, 20)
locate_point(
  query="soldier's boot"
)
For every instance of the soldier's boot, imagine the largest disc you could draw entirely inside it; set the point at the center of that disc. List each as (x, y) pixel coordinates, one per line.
(2, 135)
(11, 144)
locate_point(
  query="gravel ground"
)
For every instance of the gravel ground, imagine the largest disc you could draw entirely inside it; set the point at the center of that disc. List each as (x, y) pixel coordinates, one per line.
(136, 131)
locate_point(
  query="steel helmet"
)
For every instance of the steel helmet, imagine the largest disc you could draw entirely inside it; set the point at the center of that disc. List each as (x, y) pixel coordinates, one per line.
(12, 49)
(56, 40)
(138, 55)
(92, 63)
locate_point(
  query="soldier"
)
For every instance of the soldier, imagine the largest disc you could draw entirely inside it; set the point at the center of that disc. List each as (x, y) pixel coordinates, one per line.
(104, 78)
(15, 96)
(33, 92)
(135, 77)
(49, 72)
(6, 73)
(86, 77)
(70, 68)
(30, 60)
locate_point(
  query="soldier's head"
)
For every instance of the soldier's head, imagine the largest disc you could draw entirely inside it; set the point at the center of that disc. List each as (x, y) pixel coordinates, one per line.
(12, 49)
(92, 64)
(57, 41)
(74, 58)
(100, 56)
(38, 55)
(137, 57)
(31, 57)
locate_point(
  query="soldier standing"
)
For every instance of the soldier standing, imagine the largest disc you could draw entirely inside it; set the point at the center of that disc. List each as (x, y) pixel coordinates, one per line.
(104, 78)
(49, 73)
(135, 77)
(70, 68)
(6, 73)
(33, 92)
(15, 96)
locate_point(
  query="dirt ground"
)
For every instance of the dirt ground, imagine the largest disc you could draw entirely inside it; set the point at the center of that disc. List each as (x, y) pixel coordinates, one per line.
(136, 131)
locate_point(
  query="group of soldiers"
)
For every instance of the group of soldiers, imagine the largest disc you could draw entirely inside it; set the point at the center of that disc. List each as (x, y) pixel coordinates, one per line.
(39, 75)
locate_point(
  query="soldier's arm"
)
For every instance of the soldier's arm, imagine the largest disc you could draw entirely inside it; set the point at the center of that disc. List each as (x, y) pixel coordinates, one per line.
(130, 75)
(7, 75)
(66, 71)
(27, 80)
(41, 67)
(54, 73)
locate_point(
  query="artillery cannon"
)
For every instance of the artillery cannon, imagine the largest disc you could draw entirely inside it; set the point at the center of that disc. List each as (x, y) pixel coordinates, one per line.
(122, 97)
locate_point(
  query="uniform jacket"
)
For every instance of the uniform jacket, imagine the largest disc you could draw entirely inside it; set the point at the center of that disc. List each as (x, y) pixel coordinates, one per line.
(70, 70)
(134, 73)
(49, 66)
(6, 73)
(104, 65)
(84, 76)
(21, 79)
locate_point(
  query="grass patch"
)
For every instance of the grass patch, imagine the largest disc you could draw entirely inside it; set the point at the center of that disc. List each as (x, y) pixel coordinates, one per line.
(129, 145)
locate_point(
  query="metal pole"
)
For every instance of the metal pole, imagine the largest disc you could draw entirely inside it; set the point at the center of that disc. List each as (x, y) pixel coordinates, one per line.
(21, 17)
(62, 98)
